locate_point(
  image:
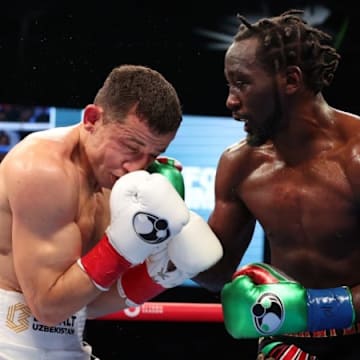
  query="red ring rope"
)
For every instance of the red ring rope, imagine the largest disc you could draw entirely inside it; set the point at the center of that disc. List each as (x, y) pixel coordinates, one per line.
(168, 311)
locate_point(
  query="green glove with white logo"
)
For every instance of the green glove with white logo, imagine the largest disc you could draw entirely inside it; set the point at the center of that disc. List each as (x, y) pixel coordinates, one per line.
(262, 301)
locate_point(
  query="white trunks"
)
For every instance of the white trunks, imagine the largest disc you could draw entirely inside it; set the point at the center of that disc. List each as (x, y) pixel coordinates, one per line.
(23, 337)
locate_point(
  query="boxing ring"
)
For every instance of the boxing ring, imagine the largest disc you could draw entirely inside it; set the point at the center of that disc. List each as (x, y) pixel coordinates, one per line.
(176, 330)
(163, 329)
(169, 311)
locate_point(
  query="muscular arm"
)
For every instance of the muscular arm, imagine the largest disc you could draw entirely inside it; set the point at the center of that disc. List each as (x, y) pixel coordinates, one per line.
(232, 223)
(352, 170)
(46, 238)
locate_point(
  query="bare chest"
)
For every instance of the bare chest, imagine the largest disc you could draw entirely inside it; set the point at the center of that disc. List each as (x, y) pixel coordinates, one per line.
(310, 201)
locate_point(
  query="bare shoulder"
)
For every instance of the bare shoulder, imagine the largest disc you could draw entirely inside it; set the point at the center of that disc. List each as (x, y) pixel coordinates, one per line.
(345, 115)
(235, 166)
(350, 131)
(349, 152)
(40, 166)
(48, 147)
(234, 153)
(240, 159)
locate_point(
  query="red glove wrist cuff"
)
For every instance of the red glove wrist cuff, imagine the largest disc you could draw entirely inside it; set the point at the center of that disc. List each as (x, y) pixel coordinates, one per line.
(259, 273)
(138, 286)
(104, 264)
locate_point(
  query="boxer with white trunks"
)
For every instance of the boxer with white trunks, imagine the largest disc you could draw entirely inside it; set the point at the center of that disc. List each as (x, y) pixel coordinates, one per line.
(22, 336)
(87, 212)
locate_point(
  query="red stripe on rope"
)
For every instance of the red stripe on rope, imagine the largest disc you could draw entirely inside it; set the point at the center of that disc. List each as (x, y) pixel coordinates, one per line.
(166, 311)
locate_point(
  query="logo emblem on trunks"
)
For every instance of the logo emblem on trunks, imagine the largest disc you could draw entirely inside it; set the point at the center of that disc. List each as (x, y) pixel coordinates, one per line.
(150, 228)
(17, 318)
(268, 313)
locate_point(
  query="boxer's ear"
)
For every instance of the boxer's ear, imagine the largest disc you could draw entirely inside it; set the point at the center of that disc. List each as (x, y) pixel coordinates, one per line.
(92, 114)
(293, 79)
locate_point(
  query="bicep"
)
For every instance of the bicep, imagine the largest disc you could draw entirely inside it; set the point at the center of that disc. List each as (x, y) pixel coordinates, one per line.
(230, 219)
(234, 226)
(45, 238)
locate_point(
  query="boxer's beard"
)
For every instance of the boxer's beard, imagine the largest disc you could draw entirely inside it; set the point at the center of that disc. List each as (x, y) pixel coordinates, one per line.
(260, 134)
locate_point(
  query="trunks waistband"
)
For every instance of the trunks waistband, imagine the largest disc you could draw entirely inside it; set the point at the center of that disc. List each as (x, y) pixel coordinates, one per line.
(19, 326)
(354, 329)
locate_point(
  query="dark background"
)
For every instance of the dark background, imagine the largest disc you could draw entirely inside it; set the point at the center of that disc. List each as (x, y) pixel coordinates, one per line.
(57, 53)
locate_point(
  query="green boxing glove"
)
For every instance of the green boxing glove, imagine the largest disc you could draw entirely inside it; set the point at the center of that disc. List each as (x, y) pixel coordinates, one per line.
(261, 301)
(171, 169)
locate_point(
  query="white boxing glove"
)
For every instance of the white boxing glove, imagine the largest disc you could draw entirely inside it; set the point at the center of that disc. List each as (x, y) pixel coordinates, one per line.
(195, 249)
(146, 212)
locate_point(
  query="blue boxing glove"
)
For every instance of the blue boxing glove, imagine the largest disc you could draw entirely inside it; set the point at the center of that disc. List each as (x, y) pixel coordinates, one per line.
(261, 301)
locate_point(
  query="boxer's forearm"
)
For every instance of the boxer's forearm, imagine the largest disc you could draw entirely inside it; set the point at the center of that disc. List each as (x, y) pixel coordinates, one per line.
(106, 303)
(218, 275)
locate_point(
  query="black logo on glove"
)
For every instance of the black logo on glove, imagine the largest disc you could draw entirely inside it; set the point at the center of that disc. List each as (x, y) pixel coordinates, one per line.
(268, 312)
(150, 228)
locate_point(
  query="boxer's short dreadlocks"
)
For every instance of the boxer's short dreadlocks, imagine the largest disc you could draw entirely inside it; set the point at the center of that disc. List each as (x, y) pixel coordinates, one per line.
(288, 40)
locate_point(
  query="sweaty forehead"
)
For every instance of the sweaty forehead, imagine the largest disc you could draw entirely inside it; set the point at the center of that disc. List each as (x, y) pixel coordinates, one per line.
(242, 53)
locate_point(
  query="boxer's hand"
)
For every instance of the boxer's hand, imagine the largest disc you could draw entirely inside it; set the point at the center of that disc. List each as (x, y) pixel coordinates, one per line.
(261, 301)
(146, 211)
(193, 250)
(171, 169)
